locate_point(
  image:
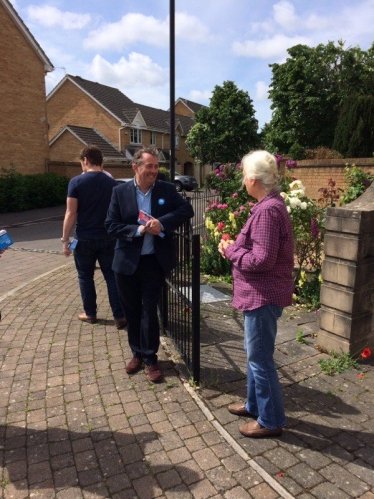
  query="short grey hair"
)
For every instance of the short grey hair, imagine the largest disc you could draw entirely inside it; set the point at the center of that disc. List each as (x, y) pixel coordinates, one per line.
(262, 166)
(137, 157)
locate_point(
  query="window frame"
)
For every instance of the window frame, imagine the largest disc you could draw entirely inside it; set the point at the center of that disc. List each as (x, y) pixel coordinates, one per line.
(135, 135)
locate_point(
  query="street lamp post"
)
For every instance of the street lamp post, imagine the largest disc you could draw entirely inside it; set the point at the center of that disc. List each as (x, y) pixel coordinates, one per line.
(172, 88)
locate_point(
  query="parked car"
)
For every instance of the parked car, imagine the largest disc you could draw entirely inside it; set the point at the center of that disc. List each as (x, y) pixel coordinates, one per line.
(181, 182)
(123, 180)
(186, 182)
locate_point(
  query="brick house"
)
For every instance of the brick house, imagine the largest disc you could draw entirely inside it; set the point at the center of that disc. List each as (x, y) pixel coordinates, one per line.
(123, 123)
(186, 107)
(23, 125)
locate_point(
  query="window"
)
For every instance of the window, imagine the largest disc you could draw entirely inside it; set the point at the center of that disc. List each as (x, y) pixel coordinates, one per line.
(153, 138)
(176, 140)
(135, 136)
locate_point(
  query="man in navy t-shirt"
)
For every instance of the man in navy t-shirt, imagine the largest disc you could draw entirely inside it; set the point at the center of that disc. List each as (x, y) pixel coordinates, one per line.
(87, 204)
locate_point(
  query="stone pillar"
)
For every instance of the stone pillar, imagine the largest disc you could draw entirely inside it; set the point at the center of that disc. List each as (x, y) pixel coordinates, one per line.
(347, 292)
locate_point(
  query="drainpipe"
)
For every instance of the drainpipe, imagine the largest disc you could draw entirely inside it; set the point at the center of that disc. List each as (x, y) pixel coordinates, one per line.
(119, 136)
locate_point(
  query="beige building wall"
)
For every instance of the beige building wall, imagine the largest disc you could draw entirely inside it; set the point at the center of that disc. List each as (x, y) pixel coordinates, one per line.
(66, 148)
(182, 109)
(23, 124)
(71, 106)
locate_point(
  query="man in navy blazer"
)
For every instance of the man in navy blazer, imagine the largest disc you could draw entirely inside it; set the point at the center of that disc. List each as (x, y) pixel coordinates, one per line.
(144, 254)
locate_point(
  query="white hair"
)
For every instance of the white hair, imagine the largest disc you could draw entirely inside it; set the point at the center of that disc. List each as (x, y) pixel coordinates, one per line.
(262, 166)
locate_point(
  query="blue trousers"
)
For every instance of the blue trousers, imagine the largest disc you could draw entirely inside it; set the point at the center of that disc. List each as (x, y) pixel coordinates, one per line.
(86, 254)
(263, 388)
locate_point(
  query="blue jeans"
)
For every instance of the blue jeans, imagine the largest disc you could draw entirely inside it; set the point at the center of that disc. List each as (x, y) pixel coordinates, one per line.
(264, 397)
(86, 253)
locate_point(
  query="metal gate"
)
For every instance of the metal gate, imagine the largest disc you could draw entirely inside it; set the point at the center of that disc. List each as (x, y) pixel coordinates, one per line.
(180, 301)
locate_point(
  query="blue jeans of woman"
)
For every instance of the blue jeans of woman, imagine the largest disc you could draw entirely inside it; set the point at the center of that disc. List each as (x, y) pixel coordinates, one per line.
(264, 397)
(86, 254)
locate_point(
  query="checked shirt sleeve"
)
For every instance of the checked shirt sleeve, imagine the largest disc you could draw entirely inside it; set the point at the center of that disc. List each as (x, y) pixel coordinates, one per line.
(256, 248)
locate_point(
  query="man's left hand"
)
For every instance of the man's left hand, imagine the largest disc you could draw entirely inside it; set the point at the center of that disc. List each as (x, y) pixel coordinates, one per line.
(153, 227)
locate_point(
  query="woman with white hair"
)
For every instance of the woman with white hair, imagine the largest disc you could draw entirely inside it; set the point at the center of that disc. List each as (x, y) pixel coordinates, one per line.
(262, 260)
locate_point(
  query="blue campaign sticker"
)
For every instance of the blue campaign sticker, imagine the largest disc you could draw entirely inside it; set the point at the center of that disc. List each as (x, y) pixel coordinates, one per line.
(161, 201)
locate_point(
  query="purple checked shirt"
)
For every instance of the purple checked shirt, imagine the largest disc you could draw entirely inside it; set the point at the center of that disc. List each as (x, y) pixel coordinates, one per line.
(263, 256)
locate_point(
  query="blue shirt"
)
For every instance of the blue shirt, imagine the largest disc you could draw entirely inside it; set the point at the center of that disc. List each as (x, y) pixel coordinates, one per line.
(144, 203)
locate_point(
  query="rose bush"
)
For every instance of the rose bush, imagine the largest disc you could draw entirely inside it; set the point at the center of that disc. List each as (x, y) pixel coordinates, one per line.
(225, 216)
(307, 217)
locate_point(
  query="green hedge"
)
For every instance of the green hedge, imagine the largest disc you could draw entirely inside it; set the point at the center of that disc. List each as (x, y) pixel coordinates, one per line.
(25, 192)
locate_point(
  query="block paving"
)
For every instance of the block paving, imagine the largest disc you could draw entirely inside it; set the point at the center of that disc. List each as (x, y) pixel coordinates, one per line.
(74, 424)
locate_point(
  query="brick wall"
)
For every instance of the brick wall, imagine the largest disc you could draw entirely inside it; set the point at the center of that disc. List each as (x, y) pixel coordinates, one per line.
(23, 124)
(66, 148)
(71, 169)
(182, 109)
(315, 174)
(71, 106)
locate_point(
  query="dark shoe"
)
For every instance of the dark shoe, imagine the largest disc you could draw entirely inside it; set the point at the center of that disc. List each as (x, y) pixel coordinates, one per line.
(134, 365)
(255, 430)
(240, 410)
(91, 319)
(153, 373)
(120, 323)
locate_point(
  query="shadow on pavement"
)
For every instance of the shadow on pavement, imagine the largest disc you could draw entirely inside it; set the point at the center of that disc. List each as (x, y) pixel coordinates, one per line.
(100, 462)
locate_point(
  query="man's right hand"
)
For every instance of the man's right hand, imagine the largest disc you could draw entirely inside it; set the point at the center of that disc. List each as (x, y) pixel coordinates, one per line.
(65, 248)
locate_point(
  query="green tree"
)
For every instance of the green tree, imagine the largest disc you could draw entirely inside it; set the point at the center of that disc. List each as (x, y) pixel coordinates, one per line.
(308, 90)
(227, 129)
(354, 133)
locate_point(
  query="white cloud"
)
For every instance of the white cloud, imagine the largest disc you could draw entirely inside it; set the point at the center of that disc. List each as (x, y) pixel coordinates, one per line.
(262, 90)
(285, 16)
(130, 29)
(268, 48)
(199, 96)
(136, 71)
(133, 28)
(191, 28)
(356, 21)
(51, 16)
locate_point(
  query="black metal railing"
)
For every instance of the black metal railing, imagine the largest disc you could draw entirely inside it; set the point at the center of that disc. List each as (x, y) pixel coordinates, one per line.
(180, 302)
(199, 201)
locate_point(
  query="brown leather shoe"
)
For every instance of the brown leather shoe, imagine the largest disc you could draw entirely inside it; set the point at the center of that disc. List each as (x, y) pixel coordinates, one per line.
(120, 323)
(255, 430)
(134, 365)
(240, 410)
(91, 319)
(153, 372)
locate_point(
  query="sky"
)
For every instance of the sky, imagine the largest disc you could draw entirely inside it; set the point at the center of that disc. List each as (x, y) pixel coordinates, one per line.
(125, 44)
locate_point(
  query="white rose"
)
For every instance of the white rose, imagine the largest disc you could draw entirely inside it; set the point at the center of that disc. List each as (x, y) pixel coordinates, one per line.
(303, 205)
(296, 184)
(297, 192)
(289, 209)
(294, 202)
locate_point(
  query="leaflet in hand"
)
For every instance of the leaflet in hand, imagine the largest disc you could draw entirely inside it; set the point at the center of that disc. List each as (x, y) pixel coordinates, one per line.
(73, 244)
(5, 239)
(144, 217)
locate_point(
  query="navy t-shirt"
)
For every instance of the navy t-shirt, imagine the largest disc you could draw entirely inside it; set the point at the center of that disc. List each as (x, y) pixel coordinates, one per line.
(93, 190)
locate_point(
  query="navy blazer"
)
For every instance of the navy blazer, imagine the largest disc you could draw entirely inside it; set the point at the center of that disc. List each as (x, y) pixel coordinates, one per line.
(122, 221)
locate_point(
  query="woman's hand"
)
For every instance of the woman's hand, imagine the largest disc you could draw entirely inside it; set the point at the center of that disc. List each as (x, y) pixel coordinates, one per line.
(223, 245)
